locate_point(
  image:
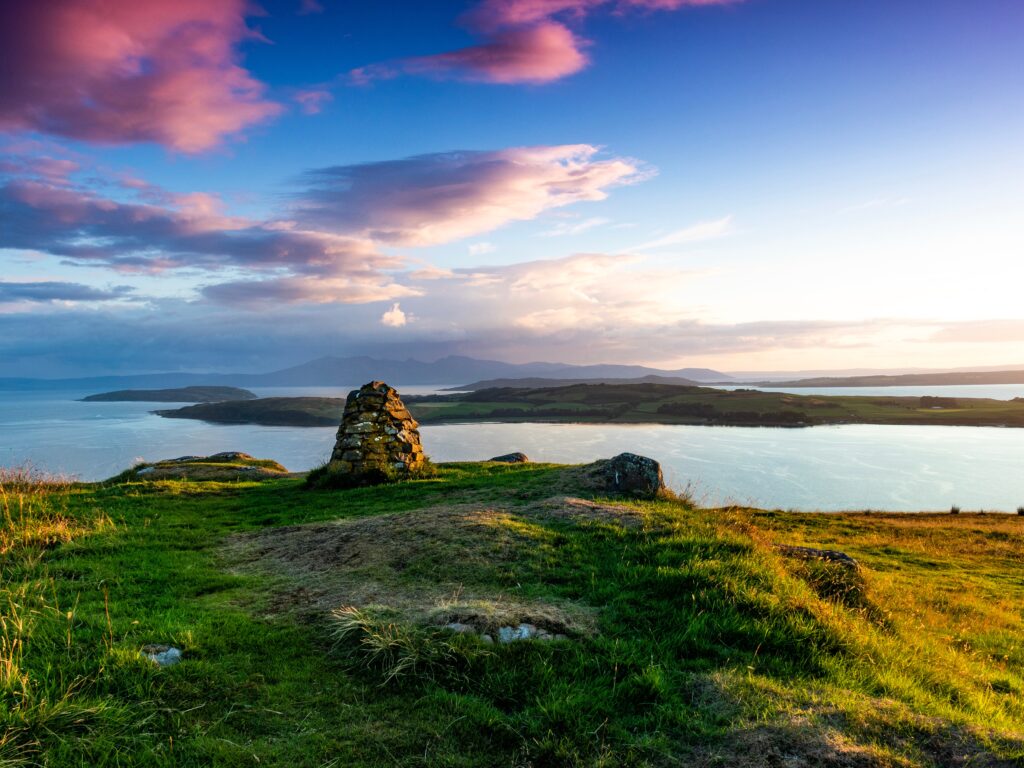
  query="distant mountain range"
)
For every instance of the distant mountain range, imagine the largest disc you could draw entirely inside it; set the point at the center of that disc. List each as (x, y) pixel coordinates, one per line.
(353, 371)
(539, 383)
(456, 371)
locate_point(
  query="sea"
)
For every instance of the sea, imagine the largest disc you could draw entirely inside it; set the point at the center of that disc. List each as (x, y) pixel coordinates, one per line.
(829, 468)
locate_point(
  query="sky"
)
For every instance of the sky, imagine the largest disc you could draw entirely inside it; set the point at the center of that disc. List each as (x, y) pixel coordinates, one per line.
(737, 184)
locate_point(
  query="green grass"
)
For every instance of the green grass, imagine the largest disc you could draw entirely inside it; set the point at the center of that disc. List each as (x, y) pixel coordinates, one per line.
(696, 644)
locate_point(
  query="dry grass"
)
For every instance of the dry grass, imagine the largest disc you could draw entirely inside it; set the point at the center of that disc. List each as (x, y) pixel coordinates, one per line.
(835, 728)
(34, 511)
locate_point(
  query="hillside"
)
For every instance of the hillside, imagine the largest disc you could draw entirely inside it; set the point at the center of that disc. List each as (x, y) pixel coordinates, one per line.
(311, 627)
(197, 394)
(632, 404)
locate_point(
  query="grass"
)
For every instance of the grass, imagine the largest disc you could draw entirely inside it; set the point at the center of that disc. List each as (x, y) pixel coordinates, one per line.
(309, 621)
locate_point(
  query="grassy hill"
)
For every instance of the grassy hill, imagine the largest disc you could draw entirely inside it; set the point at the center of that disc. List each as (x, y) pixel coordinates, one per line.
(310, 625)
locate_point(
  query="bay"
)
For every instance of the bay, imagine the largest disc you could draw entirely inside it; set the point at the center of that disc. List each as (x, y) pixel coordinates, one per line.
(907, 468)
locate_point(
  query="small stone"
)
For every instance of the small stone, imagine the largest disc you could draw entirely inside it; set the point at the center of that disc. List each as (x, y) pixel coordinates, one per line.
(460, 628)
(512, 634)
(162, 655)
(487, 639)
(512, 458)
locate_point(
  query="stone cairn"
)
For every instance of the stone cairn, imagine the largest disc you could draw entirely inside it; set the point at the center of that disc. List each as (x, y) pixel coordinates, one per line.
(378, 437)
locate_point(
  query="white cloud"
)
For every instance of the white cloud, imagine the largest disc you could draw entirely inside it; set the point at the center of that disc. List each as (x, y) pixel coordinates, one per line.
(479, 249)
(394, 317)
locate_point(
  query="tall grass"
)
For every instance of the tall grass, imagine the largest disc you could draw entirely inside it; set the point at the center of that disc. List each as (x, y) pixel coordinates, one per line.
(34, 511)
(37, 702)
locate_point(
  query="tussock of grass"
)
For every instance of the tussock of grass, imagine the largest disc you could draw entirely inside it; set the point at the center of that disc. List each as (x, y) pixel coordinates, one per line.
(397, 649)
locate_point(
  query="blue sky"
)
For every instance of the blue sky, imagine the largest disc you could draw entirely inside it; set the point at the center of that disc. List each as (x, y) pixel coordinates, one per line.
(759, 184)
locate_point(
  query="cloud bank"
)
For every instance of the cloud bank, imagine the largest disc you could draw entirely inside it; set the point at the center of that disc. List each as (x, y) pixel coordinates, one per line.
(327, 247)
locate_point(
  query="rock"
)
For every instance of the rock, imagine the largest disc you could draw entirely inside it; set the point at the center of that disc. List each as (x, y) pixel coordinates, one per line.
(162, 655)
(459, 628)
(378, 437)
(809, 553)
(512, 458)
(628, 474)
(221, 467)
(511, 634)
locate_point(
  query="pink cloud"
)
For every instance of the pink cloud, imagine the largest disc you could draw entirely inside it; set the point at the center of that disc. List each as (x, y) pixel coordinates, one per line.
(524, 41)
(438, 198)
(538, 53)
(495, 14)
(184, 232)
(311, 102)
(120, 71)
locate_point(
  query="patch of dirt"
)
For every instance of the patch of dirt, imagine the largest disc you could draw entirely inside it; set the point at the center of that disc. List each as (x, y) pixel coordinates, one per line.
(583, 510)
(434, 565)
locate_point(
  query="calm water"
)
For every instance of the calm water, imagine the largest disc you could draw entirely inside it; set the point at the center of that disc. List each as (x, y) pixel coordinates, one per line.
(828, 468)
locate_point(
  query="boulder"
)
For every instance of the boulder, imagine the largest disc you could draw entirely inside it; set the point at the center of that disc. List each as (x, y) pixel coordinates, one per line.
(627, 474)
(810, 553)
(378, 438)
(512, 458)
(221, 467)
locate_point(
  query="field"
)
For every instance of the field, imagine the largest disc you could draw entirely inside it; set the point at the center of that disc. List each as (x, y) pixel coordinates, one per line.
(310, 627)
(632, 404)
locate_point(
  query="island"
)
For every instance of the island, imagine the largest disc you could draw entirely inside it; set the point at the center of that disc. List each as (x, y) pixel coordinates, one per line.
(630, 404)
(198, 394)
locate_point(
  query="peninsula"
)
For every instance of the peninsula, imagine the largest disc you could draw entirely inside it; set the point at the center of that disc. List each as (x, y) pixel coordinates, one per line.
(197, 394)
(631, 404)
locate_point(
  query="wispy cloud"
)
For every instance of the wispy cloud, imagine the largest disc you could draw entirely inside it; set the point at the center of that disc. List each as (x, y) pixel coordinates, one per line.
(565, 228)
(705, 230)
(479, 249)
(59, 291)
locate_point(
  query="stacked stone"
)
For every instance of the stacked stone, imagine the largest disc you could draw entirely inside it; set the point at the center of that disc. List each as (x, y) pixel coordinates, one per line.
(378, 437)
